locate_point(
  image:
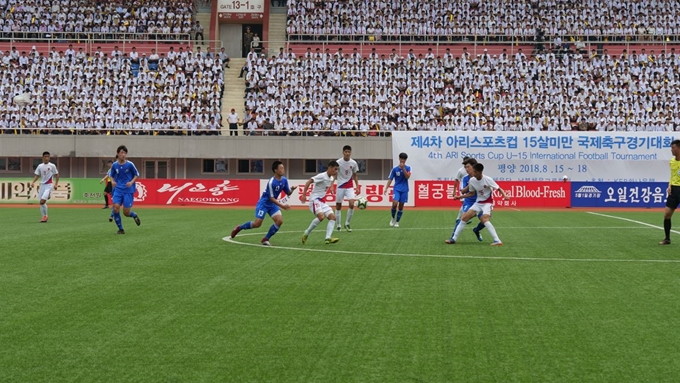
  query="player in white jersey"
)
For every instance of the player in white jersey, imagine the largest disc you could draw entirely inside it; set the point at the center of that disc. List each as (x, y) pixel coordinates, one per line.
(484, 187)
(347, 185)
(49, 178)
(317, 202)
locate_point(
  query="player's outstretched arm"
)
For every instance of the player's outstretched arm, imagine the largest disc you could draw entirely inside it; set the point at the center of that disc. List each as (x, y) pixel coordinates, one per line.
(504, 194)
(463, 196)
(35, 178)
(56, 181)
(303, 197)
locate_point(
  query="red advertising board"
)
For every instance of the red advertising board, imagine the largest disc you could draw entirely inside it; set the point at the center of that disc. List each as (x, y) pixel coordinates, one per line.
(179, 192)
(522, 194)
(372, 190)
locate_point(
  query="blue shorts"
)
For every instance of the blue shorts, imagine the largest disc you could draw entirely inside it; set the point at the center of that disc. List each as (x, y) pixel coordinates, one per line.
(123, 199)
(264, 208)
(400, 196)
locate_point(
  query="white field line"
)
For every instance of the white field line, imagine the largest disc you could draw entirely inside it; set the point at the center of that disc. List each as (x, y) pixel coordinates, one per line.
(332, 249)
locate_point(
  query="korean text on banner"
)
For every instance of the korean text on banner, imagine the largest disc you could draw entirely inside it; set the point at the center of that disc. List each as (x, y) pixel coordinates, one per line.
(197, 192)
(619, 194)
(372, 190)
(539, 156)
(69, 190)
(523, 194)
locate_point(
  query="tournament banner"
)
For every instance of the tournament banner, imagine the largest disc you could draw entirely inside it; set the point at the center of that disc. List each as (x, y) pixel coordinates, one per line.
(522, 194)
(181, 192)
(619, 194)
(69, 191)
(539, 156)
(372, 190)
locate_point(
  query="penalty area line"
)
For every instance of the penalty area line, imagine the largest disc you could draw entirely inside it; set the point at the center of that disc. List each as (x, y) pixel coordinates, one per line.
(631, 220)
(475, 257)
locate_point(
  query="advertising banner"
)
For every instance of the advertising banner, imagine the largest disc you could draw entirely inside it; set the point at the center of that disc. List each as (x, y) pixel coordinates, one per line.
(522, 194)
(618, 194)
(197, 192)
(69, 190)
(372, 190)
(240, 10)
(149, 192)
(539, 156)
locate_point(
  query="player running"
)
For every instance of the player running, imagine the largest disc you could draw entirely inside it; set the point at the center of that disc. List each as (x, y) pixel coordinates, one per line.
(348, 186)
(317, 201)
(123, 175)
(269, 204)
(49, 178)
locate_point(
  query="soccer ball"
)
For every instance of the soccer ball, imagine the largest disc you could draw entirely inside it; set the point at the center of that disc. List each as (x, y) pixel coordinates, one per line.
(22, 99)
(362, 203)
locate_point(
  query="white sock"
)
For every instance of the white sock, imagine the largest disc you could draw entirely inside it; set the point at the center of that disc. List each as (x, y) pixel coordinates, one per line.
(350, 213)
(45, 207)
(42, 210)
(312, 226)
(329, 228)
(459, 229)
(338, 214)
(492, 231)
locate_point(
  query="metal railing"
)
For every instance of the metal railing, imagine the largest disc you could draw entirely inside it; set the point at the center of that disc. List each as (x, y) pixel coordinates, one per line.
(469, 37)
(225, 131)
(109, 132)
(473, 47)
(177, 132)
(124, 41)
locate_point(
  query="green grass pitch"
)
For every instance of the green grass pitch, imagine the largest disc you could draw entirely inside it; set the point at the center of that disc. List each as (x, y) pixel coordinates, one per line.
(571, 297)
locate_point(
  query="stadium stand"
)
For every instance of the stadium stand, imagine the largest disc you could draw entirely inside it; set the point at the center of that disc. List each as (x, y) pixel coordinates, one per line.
(98, 20)
(443, 20)
(345, 93)
(175, 92)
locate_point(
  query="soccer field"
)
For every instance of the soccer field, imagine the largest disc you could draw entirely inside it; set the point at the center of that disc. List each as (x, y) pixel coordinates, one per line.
(571, 297)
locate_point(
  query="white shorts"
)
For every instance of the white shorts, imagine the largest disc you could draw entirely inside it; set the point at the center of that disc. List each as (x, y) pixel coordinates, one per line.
(342, 193)
(317, 206)
(45, 191)
(484, 208)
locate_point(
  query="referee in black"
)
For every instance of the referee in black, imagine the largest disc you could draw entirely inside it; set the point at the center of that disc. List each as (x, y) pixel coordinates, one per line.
(109, 187)
(673, 191)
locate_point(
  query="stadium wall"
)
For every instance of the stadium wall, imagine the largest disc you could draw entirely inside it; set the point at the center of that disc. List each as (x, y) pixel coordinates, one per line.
(183, 157)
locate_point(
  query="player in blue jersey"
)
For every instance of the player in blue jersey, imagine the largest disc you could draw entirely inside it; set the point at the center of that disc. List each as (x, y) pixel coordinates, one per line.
(270, 204)
(400, 174)
(469, 201)
(123, 175)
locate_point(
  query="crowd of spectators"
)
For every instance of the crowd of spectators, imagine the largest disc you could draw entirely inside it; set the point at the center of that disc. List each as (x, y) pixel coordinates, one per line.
(502, 20)
(343, 93)
(96, 19)
(74, 92)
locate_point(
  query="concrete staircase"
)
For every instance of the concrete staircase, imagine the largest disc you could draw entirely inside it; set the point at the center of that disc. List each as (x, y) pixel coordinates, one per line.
(277, 33)
(204, 19)
(234, 88)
